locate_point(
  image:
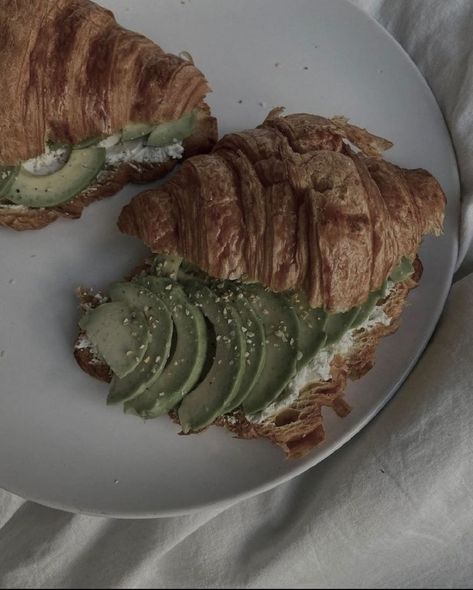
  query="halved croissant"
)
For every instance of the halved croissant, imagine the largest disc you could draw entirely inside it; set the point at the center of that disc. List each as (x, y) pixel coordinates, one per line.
(292, 205)
(70, 72)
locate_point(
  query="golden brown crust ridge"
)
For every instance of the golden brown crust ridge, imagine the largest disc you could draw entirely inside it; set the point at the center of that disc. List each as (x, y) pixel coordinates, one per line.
(291, 205)
(70, 72)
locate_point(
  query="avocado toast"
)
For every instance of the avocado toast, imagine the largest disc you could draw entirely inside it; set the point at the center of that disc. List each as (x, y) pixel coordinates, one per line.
(88, 107)
(303, 257)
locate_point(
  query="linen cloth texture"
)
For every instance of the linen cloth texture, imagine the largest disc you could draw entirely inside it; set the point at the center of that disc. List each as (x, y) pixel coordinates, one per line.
(393, 508)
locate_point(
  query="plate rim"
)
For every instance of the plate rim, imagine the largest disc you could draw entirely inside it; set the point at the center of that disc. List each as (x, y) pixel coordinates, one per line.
(333, 447)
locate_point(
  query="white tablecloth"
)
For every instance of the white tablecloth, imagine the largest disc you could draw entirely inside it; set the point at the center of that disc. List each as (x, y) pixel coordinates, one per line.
(394, 508)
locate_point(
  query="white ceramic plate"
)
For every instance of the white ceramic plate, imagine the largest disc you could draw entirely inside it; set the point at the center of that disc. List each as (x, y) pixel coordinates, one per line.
(59, 443)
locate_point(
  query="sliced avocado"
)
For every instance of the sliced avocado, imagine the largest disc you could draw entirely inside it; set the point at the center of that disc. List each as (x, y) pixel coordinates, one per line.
(169, 265)
(120, 334)
(166, 265)
(7, 177)
(186, 360)
(208, 400)
(403, 271)
(311, 323)
(253, 332)
(172, 131)
(368, 306)
(46, 191)
(281, 330)
(136, 131)
(91, 141)
(161, 328)
(338, 324)
(111, 141)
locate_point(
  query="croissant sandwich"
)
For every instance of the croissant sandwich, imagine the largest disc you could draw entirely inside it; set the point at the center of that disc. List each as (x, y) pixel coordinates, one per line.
(281, 258)
(87, 107)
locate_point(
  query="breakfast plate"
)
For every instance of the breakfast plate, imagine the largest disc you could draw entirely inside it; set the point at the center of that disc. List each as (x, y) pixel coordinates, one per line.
(60, 445)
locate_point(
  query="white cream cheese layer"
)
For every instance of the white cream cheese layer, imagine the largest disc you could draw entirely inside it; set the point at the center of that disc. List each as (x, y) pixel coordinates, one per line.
(137, 151)
(49, 162)
(117, 153)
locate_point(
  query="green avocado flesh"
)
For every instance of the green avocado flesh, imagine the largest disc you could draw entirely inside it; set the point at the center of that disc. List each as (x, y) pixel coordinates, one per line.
(176, 339)
(7, 177)
(53, 189)
(337, 324)
(187, 359)
(254, 334)
(311, 322)
(221, 384)
(281, 334)
(18, 186)
(161, 327)
(403, 271)
(88, 142)
(172, 131)
(135, 131)
(121, 335)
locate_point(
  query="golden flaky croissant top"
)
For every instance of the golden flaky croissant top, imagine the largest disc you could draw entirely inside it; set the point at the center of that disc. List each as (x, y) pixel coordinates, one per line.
(70, 72)
(292, 205)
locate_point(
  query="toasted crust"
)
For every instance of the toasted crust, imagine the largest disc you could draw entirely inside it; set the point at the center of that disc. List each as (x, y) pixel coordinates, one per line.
(70, 72)
(298, 427)
(88, 362)
(85, 356)
(111, 182)
(292, 206)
